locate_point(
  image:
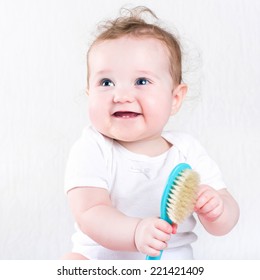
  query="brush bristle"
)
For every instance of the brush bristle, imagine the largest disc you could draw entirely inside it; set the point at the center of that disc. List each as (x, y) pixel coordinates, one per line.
(183, 196)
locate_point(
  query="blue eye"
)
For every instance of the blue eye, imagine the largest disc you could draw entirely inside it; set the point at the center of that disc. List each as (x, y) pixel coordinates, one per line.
(142, 82)
(106, 83)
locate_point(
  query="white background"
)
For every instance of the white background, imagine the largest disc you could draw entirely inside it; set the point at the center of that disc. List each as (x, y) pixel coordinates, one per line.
(43, 109)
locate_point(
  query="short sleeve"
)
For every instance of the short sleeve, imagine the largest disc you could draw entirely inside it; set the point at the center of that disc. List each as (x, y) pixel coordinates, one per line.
(207, 168)
(86, 165)
(195, 155)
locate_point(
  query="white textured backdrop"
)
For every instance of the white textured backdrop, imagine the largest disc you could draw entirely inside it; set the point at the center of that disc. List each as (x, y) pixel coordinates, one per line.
(43, 110)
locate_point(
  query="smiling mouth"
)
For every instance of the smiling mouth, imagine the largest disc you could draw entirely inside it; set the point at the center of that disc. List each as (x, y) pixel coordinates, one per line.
(126, 114)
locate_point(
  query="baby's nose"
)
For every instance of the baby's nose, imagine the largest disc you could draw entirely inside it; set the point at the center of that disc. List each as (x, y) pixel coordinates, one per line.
(123, 96)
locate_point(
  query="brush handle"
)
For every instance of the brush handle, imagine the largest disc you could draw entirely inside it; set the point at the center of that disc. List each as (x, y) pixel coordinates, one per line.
(154, 258)
(170, 184)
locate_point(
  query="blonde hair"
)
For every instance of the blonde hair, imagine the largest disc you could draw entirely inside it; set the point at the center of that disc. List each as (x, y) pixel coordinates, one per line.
(131, 23)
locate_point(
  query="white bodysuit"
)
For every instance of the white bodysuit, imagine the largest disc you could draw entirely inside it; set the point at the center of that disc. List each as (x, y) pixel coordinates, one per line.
(135, 183)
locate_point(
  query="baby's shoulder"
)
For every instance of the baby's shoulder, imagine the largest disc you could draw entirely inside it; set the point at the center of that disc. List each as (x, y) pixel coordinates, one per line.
(183, 141)
(91, 142)
(178, 137)
(90, 134)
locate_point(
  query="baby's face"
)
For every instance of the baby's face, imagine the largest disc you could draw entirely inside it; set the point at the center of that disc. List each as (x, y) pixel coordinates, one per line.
(130, 88)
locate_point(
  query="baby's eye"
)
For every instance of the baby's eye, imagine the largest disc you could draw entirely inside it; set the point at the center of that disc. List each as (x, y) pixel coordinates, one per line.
(142, 82)
(106, 83)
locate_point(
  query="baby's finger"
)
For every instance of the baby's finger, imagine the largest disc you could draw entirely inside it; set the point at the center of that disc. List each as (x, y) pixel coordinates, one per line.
(214, 214)
(152, 252)
(203, 199)
(202, 189)
(163, 226)
(157, 245)
(162, 236)
(208, 206)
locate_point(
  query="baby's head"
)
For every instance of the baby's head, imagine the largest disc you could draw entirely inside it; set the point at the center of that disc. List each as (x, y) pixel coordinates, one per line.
(132, 24)
(134, 78)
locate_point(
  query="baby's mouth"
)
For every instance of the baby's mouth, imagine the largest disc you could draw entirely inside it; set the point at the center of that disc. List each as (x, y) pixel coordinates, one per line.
(126, 114)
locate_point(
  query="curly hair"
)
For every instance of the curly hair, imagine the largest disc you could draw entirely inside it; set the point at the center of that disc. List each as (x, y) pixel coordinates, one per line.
(132, 23)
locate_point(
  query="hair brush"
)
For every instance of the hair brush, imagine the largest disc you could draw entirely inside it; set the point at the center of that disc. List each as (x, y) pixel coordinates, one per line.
(179, 196)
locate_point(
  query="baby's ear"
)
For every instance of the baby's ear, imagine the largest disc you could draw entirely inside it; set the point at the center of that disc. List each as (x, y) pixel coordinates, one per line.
(178, 96)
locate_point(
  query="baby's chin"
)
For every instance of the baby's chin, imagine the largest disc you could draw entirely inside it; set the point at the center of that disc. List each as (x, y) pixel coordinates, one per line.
(121, 136)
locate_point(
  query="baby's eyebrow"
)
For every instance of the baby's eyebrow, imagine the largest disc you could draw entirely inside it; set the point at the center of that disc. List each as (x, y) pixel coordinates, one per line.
(147, 72)
(102, 72)
(99, 74)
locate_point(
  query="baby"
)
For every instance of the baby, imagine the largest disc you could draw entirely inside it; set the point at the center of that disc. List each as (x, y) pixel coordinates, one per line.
(117, 170)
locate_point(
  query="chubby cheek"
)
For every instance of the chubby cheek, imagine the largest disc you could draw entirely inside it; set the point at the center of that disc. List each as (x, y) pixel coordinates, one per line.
(157, 110)
(93, 114)
(97, 112)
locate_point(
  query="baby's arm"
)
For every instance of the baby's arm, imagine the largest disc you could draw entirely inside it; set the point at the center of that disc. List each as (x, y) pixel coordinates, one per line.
(217, 210)
(96, 217)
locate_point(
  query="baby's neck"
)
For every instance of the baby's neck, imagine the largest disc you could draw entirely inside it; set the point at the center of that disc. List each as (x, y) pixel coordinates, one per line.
(150, 147)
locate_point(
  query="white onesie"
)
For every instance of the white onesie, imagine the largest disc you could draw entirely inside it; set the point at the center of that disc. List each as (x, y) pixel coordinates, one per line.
(135, 183)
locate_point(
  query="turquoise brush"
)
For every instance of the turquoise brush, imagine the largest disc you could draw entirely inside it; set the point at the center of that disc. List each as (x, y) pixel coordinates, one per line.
(179, 196)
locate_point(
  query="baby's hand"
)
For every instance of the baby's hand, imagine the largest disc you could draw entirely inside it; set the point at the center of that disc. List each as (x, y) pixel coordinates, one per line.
(209, 203)
(151, 236)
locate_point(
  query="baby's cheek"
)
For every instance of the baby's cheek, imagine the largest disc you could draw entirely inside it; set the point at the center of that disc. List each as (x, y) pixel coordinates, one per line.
(97, 113)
